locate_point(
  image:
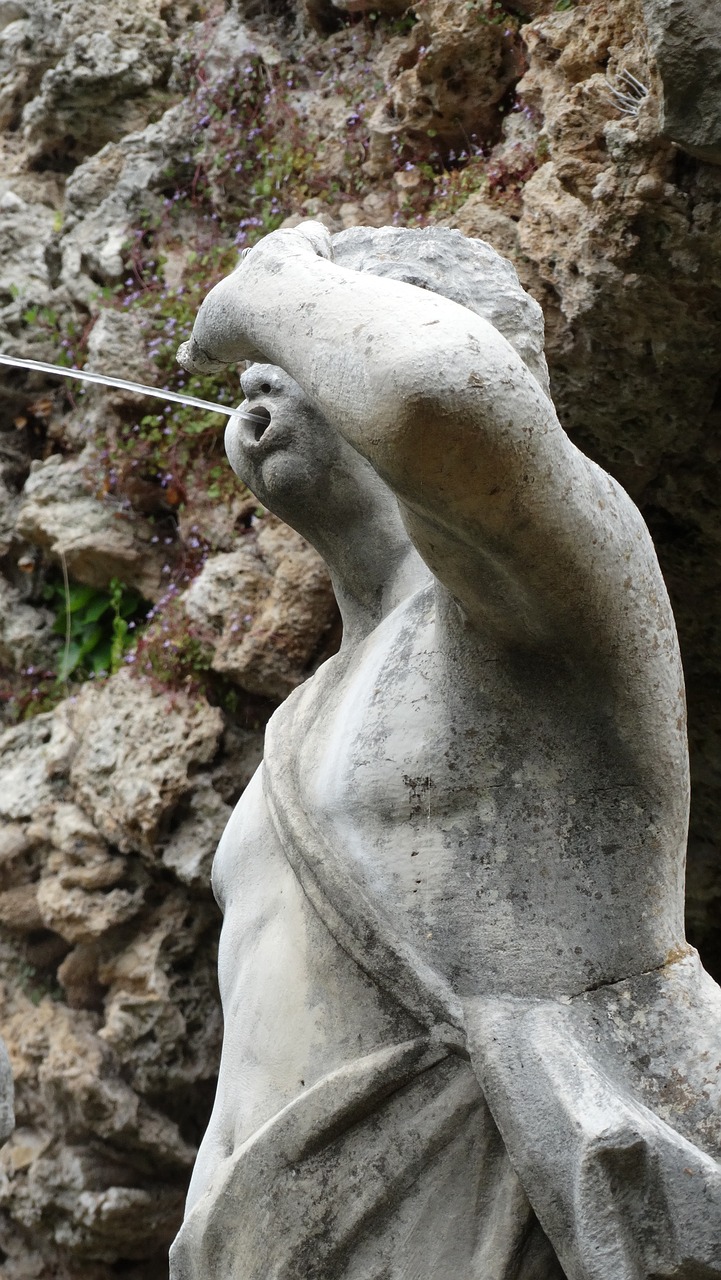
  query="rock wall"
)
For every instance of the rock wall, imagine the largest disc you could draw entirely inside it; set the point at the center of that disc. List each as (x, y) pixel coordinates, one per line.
(152, 614)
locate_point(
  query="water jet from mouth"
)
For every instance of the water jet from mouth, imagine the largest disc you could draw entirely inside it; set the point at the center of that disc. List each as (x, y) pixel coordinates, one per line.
(261, 423)
(160, 393)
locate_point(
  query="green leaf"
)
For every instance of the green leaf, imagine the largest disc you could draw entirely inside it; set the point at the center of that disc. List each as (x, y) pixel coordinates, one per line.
(78, 624)
(96, 609)
(118, 642)
(92, 638)
(129, 604)
(100, 659)
(69, 660)
(79, 596)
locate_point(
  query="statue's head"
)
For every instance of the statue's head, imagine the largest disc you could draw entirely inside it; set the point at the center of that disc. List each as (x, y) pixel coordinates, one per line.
(306, 470)
(469, 272)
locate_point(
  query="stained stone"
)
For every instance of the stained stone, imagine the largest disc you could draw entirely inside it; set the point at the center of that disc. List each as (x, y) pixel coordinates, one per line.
(464, 1034)
(684, 38)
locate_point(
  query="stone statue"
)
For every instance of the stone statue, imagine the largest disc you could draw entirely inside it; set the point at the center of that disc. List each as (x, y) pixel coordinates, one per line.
(464, 1035)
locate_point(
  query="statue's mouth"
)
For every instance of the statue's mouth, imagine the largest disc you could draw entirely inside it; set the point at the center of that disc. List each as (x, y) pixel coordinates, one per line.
(259, 420)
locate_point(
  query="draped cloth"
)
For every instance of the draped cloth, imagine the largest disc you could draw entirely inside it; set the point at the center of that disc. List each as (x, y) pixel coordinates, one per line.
(512, 1139)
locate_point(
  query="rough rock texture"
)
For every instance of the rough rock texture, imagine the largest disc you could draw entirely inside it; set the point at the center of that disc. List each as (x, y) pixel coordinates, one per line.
(25, 631)
(71, 82)
(268, 606)
(608, 206)
(59, 514)
(684, 39)
(128, 787)
(107, 1007)
(618, 236)
(450, 75)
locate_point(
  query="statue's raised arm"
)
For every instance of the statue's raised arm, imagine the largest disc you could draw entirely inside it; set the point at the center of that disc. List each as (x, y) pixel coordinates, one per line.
(447, 397)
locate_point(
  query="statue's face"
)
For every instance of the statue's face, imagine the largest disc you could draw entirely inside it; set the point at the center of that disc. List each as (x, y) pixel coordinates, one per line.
(296, 463)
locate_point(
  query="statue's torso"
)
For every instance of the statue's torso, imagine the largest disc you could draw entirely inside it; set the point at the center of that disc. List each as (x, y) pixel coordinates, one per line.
(497, 828)
(490, 808)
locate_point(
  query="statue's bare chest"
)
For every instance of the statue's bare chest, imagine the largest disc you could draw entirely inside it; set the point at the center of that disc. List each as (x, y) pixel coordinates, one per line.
(477, 806)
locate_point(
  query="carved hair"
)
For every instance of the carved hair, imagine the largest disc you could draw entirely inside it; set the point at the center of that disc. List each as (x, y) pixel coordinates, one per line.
(467, 271)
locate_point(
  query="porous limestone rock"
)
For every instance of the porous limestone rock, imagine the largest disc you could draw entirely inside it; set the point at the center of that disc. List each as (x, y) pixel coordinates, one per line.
(191, 848)
(72, 81)
(116, 347)
(25, 231)
(8, 512)
(27, 286)
(161, 1014)
(89, 1159)
(271, 607)
(447, 78)
(105, 194)
(95, 537)
(28, 788)
(134, 755)
(109, 1013)
(79, 897)
(26, 638)
(684, 38)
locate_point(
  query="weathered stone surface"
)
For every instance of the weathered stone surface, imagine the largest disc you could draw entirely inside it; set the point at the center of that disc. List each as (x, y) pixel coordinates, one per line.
(26, 638)
(191, 848)
(28, 791)
(241, 754)
(74, 83)
(135, 751)
(89, 93)
(478, 218)
(686, 44)
(19, 909)
(59, 513)
(448, 77)
(8, 512)
(271, 606)
(116, 347)
(83, 1193)
(81, 901)
(95, 1171)
(161, 1014)
(104, 195)
(25, 231)
(483, 797)
(618, 238)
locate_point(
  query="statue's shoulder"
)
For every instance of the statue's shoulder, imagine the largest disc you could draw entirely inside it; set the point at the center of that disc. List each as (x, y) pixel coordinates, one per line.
(406, 629)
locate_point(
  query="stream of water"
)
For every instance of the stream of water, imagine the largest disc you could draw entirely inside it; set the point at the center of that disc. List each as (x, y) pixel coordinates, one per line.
(124, 385)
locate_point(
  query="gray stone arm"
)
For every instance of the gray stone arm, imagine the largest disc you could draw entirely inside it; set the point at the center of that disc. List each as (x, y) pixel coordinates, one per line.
(531, 538)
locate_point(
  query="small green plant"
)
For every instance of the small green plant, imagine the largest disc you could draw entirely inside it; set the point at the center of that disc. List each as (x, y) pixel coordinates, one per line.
(95, 625)
(561, 5)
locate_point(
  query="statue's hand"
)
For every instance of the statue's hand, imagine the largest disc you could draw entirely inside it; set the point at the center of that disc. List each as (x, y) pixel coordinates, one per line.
(191, 356)
(221, 331)
(318, 237)
(289, 240)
